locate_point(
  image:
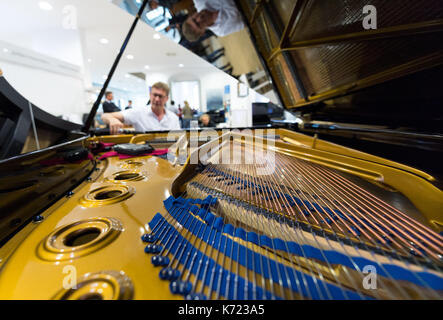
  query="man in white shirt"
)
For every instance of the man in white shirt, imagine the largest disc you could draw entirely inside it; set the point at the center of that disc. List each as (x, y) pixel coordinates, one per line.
(154, 117)
(220, 16)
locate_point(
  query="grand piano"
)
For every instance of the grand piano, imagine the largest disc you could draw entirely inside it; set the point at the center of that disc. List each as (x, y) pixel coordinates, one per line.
(346, 203)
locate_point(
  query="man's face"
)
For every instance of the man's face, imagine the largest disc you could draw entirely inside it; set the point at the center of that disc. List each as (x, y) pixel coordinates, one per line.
(158, 98)
(205, 120)
(199, 21)
(110, 97)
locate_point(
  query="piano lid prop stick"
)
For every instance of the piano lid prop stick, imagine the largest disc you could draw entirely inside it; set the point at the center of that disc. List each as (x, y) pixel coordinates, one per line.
(97, 102)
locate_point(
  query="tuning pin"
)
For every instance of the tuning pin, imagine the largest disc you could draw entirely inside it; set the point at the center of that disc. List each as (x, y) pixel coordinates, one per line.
(149, 237)
(180, 287)
(160, 261)
(153, 248)
(195, 296)
(200, 167)
(169, 274)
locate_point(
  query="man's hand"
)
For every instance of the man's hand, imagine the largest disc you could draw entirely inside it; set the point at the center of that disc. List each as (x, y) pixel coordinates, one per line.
(115, 125)
(114, 120)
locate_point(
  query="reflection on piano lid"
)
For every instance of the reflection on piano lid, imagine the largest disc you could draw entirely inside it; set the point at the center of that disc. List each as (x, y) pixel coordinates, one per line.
(327, 66)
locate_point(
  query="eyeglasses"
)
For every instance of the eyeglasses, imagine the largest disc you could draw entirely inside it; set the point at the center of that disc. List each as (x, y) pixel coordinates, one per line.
(160, 96)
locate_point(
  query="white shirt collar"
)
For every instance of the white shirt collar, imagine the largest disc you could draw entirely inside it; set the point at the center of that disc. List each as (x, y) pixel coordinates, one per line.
(152, 114)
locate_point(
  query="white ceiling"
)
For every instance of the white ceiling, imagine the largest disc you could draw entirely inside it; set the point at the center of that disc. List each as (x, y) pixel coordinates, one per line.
(25, 24)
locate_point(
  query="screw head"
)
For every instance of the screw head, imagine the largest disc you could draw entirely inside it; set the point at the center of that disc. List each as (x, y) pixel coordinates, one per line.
(38, 219)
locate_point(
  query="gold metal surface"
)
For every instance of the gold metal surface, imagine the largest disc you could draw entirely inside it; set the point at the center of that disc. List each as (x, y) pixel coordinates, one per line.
(105, 285)
(128, 175)
(107, 195)
(20, 261)
(92, 235)
(61, 243)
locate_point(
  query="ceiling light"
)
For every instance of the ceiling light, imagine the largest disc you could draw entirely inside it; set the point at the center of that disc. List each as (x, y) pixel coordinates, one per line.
(5, 50)
(127, 75)
(130, 57)
(104, 41)
(156, 36)
(45, 5)
(181, 65)
(89, 60)
(147, 67)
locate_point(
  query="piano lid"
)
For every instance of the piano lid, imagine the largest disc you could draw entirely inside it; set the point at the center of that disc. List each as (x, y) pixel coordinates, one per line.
(316, 51)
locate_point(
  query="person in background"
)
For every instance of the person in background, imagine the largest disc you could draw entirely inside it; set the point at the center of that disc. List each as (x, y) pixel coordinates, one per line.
(109, 105)
(180, 115)
(205, 121)
(187, 115)
(155, 117)
(129, 105)
(221, 17)
(173, 108)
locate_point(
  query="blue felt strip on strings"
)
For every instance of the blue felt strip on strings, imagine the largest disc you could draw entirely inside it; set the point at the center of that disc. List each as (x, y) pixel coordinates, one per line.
(192, 251)
(233, 249)
(333, 257)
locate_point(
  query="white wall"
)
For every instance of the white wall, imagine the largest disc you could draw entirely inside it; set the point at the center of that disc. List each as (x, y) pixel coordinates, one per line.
(240, 107)
(215, 80)
(189, 91)
(54, 93)
(59, 93)
(153, 77)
